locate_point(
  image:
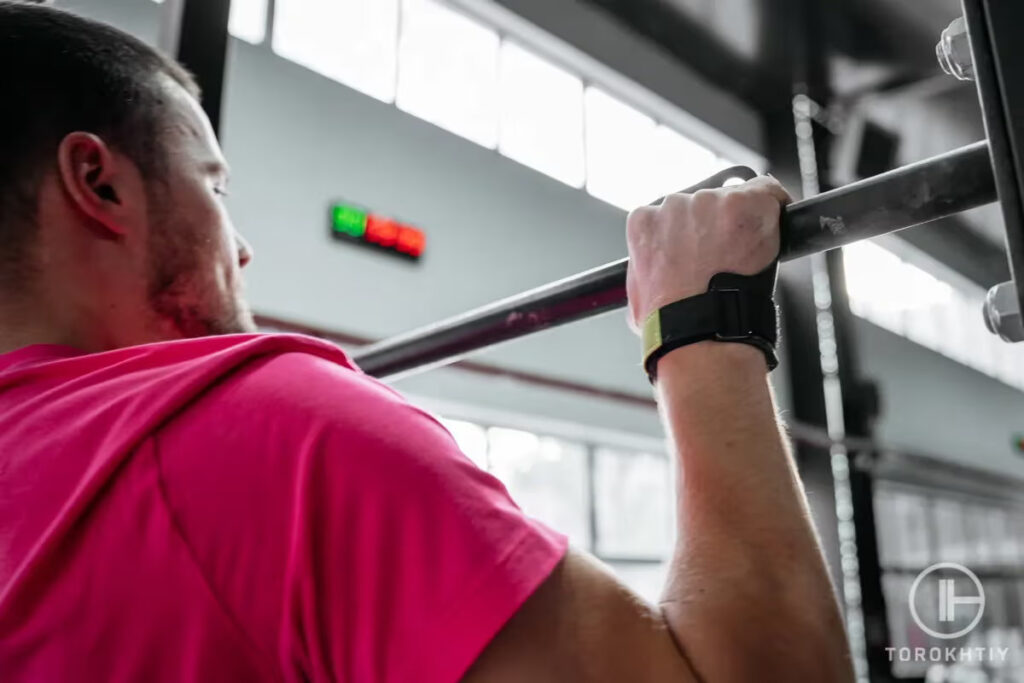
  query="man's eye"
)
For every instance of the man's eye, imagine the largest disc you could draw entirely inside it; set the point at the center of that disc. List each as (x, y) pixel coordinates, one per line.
(222, 191)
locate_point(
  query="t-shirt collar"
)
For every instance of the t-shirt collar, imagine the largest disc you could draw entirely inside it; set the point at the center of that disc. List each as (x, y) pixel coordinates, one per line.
(35, 353)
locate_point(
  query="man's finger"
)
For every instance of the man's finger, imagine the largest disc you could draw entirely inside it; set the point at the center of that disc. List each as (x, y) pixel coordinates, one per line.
(772, 185)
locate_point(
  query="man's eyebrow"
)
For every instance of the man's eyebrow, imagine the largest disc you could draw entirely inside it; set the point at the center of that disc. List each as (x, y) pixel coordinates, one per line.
(217, 168)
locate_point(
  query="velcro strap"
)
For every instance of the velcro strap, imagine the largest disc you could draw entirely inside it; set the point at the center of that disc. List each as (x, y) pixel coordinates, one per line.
(736, 308)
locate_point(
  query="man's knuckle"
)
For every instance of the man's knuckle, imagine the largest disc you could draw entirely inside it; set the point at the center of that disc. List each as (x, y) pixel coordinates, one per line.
(705, 196)
(639, 222)
(736, 202)
(640, 217)
(769, 204)
(674, 204)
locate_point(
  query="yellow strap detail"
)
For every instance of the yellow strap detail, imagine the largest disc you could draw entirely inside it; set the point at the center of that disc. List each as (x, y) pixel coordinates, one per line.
(652, 334)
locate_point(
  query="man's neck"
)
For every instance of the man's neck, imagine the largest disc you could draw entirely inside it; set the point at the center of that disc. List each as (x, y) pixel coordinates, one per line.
(23, 324)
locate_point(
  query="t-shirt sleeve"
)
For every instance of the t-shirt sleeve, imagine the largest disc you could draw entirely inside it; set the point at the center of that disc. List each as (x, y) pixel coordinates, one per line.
(343, 529)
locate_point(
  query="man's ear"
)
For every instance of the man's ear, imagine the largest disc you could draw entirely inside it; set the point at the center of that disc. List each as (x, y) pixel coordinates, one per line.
(95, 179)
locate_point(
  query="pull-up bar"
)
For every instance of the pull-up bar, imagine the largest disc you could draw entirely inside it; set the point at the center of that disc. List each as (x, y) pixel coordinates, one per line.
(901, 198)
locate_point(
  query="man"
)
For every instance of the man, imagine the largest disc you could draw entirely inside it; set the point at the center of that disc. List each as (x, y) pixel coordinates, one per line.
(184, 499)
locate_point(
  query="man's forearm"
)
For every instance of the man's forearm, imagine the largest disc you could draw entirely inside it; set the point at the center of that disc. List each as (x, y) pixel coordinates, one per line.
(748, 575)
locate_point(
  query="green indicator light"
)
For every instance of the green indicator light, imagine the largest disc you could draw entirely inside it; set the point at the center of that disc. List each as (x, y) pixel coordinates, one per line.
(349, 220)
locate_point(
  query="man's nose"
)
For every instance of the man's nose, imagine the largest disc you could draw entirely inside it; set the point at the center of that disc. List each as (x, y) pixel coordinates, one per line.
(244, 250)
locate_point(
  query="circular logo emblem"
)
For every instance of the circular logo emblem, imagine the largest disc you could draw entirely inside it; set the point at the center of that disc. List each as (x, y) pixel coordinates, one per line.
(950, 602)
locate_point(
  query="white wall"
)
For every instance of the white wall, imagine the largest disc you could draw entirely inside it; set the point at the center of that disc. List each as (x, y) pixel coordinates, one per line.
(495, 227)
(935, 406)
(298, 141)
(141, 18)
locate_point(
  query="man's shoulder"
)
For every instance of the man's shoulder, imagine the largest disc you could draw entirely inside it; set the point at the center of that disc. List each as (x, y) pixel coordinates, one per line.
(291, 413)
(290, 389)
(289, 425)
(305, 386)
(248, 367)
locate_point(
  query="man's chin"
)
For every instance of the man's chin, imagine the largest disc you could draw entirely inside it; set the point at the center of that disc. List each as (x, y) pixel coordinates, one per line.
(244, 318)
(182, 322)
(240, 321)
(246, 322)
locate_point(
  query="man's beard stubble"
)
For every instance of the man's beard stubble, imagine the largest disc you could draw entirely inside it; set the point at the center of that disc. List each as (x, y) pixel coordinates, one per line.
(179, 296)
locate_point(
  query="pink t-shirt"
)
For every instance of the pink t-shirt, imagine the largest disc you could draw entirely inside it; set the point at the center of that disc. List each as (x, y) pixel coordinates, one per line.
(243, 508)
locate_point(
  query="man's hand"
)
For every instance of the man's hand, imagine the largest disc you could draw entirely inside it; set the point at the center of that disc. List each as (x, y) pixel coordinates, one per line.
(676, 248)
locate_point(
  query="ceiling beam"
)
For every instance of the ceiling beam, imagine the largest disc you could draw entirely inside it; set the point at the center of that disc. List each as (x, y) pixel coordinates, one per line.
(951, 242)
(694, 45)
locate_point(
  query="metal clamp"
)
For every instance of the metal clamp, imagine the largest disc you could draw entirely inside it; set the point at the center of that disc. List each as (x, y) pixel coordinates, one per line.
(1002, 313)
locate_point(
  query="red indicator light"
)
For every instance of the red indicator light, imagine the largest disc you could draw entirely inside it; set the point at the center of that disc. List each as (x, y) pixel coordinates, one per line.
(382, 231)
(411, 241)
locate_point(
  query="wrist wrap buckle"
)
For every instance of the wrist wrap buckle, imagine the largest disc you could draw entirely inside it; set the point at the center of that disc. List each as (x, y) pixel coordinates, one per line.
(736, 308)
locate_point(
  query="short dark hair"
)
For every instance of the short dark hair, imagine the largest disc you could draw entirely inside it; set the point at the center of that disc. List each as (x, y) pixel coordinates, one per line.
(63, 73)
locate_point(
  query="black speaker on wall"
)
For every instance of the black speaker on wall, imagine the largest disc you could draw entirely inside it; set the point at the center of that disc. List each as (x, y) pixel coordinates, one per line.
(878, 150)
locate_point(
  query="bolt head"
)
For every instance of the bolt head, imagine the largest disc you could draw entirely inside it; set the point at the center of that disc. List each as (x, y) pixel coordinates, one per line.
(1002, 313)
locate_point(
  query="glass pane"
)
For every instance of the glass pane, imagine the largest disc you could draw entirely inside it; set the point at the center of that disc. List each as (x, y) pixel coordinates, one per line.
(903, 632)
(677, 162)
(541, 115)
(472, 440)
(950, 531)
(928, 311)
(1002, 537)
(448, 71)
(546, 477)
(982, 343)
(1017, 526)
(646, 580)
(633, 492)
(904, 538)
(887, 537)
(351, 41)
(958, 340)
(620, 141)
(1018, 375)
(1006, 359)
(870, 272)
(981, 545)
(926, 296)
(248, 20)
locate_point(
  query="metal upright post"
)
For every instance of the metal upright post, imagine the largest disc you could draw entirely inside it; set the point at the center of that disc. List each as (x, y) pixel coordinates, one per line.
(196, 32)
(998, 66)
(826, 389)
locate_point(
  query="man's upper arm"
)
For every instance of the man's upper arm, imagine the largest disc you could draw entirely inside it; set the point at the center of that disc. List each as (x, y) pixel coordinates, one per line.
(583, 625)
(342, 527)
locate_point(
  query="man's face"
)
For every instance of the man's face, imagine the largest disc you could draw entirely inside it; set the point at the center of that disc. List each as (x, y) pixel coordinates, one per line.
(195, 253)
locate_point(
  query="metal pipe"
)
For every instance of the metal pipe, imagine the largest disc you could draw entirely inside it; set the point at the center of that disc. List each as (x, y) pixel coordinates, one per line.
(907, 196)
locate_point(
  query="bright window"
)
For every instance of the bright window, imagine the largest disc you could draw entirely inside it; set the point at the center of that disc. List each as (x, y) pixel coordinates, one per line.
(446, 68)
(646, 580)
(620, 140)
(248, 19)
(448, 71)
(546, 476)
(634, 504)
(567, 483)
(541, 115)
(676, 163)
(905, 299)
(350, 41)
(471, 438)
